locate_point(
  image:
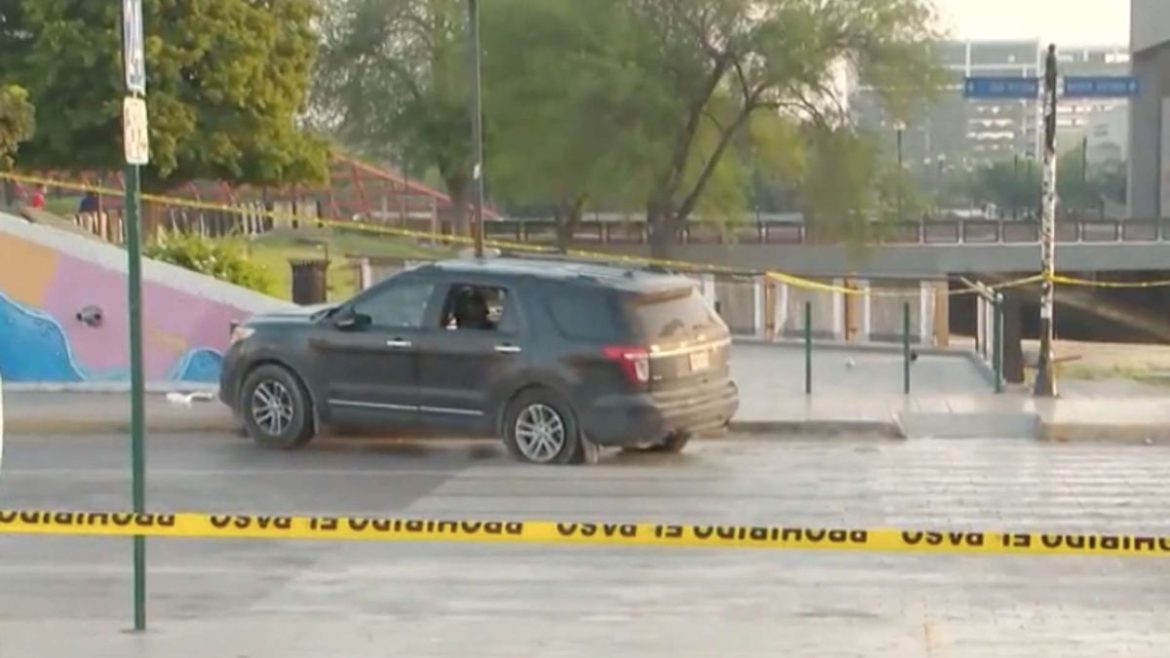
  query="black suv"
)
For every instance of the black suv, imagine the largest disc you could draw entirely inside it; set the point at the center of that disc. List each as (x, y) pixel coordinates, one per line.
(554, 357)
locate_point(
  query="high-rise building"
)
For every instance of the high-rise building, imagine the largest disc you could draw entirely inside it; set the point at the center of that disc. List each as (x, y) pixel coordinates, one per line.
(956, 131)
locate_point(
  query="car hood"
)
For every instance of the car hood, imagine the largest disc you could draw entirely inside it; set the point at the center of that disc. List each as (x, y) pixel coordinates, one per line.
(294, 315)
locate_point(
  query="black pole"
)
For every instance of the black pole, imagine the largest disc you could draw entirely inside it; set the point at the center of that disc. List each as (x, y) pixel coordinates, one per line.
(476, 123)
(1015, 186)
(900, 174)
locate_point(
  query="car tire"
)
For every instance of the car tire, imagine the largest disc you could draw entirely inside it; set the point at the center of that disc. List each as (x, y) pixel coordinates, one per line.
(540, 428)
(276, 408)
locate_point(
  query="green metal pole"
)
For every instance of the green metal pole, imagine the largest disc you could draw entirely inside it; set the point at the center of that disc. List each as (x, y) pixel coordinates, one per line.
(808, 348)
(997, 353)
(906, 348)
(137, 386)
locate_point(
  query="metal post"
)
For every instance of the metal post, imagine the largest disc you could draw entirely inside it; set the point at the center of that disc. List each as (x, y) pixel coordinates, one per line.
(901, 175)
(997, 351)
(477, 123)
(906, 348)
(1045, 371)
(136, 154)
(1015, 186)
(137, 386)
(808, 348)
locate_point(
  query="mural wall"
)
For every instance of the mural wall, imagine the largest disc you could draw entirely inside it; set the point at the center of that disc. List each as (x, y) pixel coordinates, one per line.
(63, 311)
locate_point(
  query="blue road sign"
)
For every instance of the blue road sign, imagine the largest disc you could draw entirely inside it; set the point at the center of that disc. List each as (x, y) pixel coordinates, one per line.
(133, 57)
(1122, 86)
(1001, 88)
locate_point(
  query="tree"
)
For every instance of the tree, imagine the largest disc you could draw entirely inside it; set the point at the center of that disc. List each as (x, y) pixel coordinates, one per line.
(17, 120)
(563, 107)
(392, 83)
(724, 61)
(1013, 186)
(226, 82)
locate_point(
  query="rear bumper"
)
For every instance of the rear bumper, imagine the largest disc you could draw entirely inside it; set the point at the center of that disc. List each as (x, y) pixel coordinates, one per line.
(638, 419)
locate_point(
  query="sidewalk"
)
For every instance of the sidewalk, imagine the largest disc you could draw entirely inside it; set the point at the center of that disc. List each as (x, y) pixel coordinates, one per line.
(36, 412)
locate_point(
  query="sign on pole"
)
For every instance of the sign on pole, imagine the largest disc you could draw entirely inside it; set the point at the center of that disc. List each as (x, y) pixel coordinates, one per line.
(133, 52)
(1001, 88)
(135, 131)
(1118, 86)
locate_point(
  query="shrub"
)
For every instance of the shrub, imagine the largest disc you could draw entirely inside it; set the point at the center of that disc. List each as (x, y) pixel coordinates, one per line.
(225, 259)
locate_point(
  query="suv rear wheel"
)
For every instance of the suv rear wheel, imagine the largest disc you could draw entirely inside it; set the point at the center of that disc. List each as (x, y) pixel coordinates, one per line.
(276, 408)
(540, 428)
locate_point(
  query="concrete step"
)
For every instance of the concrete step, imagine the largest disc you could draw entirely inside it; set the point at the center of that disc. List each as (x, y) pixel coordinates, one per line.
(971, 425)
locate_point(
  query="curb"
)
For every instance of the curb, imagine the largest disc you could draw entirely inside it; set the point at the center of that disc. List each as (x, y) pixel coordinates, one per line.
(1144, 434)
(40, 425)
(820, 428)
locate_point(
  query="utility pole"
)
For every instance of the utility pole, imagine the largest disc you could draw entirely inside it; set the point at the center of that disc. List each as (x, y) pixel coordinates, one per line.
(135, 138)
(476, 123)
(1046, 370)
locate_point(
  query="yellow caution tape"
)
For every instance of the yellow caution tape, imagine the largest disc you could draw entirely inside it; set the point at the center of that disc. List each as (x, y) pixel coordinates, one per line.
(358, 528)
(789, 279)
(1087, 283)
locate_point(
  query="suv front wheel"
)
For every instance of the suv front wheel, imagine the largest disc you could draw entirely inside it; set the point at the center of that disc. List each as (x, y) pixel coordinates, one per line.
(276, 409)
(540, 428)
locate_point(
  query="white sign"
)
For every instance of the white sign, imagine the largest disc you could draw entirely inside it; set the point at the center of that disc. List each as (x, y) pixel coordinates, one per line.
(135, 131)
(133, 52)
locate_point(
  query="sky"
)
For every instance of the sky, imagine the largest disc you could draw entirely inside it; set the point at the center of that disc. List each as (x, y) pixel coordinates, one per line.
(1081, 22)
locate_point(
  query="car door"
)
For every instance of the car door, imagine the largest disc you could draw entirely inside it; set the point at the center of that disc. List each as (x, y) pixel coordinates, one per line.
(371, 370)
(463, 370)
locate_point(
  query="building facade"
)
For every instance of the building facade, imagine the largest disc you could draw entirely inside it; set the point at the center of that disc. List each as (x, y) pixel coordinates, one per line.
(961, 132)
(1149, 117)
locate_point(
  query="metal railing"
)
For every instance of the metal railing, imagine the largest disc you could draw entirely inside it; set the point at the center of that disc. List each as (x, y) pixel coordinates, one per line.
(930, 232)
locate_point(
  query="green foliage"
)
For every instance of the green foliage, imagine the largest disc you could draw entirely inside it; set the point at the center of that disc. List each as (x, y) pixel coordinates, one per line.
(226, 81)
(17, 122)
(223, 259)
(724, 61)
(561, 107)
(392, 83)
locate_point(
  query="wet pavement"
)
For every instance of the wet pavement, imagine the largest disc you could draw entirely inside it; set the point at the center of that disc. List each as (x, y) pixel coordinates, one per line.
(71, 597)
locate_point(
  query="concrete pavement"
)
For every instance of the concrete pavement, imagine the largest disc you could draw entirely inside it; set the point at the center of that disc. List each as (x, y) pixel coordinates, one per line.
(71, 596)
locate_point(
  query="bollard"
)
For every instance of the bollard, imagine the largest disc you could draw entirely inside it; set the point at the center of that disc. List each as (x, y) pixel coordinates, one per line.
(808, 348)
(997, 354)
(906, 348)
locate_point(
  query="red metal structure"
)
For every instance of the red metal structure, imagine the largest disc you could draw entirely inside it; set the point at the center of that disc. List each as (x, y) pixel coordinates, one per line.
(356, 191)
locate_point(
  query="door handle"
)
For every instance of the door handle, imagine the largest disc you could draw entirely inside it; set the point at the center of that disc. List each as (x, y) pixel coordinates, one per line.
(398, 342)
(507, 349)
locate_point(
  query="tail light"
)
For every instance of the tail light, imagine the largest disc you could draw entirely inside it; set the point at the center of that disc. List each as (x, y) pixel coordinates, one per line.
(634, 361)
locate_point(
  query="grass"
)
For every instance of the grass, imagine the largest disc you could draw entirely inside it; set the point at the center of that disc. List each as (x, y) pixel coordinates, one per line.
(274, 251)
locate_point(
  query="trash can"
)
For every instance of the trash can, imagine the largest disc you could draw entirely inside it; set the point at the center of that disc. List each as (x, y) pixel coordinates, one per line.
(309, 280)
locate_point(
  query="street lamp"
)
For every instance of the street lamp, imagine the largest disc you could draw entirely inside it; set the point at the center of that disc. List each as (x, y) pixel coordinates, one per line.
(476, 124)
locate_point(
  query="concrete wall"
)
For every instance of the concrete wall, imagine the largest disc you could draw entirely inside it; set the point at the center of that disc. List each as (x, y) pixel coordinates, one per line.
(1147, 148)
(47, 276)
(1149, 24)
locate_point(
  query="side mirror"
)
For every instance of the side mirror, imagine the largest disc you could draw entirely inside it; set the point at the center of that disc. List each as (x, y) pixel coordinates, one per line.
(351, 320)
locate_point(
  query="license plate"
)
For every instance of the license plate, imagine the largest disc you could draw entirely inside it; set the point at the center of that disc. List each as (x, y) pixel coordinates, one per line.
(700, 361)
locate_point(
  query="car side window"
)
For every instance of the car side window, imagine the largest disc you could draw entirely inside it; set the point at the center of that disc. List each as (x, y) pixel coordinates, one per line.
(469, 307)
(399, 306)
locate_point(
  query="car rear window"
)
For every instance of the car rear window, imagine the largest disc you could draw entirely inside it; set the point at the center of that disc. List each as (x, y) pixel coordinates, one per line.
(675, 314)
(586, 314)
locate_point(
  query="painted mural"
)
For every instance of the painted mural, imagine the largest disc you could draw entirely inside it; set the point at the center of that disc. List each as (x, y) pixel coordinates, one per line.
(63, 314)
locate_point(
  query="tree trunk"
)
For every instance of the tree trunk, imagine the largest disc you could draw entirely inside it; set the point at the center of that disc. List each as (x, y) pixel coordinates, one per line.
(662, 229)
(460, 213)
(568, 217)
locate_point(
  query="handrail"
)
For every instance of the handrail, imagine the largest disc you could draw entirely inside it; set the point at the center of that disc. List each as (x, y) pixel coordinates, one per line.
(787, 232)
